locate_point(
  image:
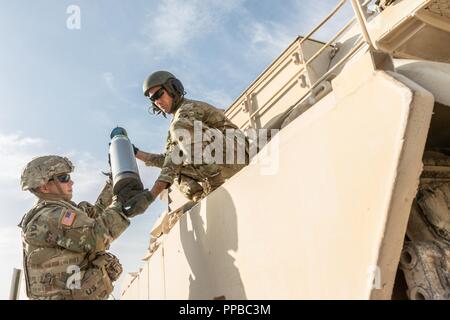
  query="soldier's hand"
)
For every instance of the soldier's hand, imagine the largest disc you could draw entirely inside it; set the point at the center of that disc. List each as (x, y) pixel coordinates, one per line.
(127, 192)
(135, 149)
(138, 204)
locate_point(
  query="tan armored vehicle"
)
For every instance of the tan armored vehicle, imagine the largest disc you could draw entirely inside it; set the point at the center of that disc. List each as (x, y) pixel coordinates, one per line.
(350, 198)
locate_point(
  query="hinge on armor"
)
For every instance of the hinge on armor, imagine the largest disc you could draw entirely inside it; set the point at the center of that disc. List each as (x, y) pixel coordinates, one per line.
(383, 4)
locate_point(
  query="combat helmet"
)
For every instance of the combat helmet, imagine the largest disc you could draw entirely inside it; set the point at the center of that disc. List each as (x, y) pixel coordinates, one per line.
(41, 169)
(169, 82)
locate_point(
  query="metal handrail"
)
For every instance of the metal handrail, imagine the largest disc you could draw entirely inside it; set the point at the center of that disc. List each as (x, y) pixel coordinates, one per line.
(344, 59)
(357, 8)
(331, 41)
(307, 93)
(264, 107)
(321, 23)
(362, 21)
(261, 78)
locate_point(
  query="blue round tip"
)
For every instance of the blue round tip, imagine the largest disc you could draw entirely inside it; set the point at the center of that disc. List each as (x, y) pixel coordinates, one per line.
(118, 131)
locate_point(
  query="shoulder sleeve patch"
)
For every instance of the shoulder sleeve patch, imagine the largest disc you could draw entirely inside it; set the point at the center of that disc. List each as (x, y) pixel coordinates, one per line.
(68, 218)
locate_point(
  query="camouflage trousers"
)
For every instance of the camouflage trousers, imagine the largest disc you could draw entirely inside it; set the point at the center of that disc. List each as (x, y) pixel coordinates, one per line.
(197, 181)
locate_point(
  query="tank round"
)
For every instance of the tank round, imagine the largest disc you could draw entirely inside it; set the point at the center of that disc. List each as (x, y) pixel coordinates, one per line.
(124, 168)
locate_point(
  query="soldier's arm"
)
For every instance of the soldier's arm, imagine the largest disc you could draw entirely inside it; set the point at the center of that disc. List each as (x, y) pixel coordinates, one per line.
(169, 172)
(170, 169)
(158, 187)
(151, 159)
(103, 201)
(76, 231)
(105, 198)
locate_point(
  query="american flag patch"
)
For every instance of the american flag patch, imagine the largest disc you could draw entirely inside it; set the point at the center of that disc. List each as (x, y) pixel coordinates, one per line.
(68, 218)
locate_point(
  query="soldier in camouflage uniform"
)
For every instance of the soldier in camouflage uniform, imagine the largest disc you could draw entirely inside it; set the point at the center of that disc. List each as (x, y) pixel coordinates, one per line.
(194, 180)
(64, 243)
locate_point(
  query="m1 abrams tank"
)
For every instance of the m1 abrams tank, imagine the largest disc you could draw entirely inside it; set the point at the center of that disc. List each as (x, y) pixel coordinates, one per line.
(356, 202)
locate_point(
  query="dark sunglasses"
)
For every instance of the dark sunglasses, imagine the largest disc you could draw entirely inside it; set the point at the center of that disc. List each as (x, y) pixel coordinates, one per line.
(62, 178)
(158, 94)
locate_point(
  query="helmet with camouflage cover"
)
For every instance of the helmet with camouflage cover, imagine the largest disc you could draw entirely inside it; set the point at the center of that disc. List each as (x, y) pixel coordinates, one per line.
(169, 82)
(39, 170)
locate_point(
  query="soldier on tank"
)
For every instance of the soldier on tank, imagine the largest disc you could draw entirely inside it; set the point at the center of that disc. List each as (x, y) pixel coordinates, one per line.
(64, 243)
(195, 179)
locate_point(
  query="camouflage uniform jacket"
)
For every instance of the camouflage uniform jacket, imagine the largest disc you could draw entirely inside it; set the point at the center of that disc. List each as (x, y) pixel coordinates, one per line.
(185, 116)
(58, 235)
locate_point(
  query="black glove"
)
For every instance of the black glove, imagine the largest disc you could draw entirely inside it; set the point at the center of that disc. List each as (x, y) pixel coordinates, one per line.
(128, 192)
(135, 149)
(138, 204)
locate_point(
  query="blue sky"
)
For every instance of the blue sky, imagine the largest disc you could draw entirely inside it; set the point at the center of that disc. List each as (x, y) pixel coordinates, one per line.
(62, 90)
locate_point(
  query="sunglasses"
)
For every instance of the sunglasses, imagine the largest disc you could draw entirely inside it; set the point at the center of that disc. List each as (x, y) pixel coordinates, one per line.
(62, 178)
(158, 94)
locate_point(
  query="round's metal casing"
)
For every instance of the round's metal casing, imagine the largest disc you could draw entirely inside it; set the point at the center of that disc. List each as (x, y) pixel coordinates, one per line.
(124, 168)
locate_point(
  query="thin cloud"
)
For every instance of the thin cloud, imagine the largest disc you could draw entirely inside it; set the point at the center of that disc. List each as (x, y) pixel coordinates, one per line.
(110, 82)
(268, 40)
(15, 152)
(218, 98)
(176, 23)
(108, 77)
(10, 255)
(9, 241)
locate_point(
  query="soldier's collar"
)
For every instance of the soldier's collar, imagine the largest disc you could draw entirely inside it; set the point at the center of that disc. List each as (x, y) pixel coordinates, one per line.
(176, 104)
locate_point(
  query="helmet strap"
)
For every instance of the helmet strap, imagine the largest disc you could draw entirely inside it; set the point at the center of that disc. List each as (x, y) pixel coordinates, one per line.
(47, 196)
(177, 97)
